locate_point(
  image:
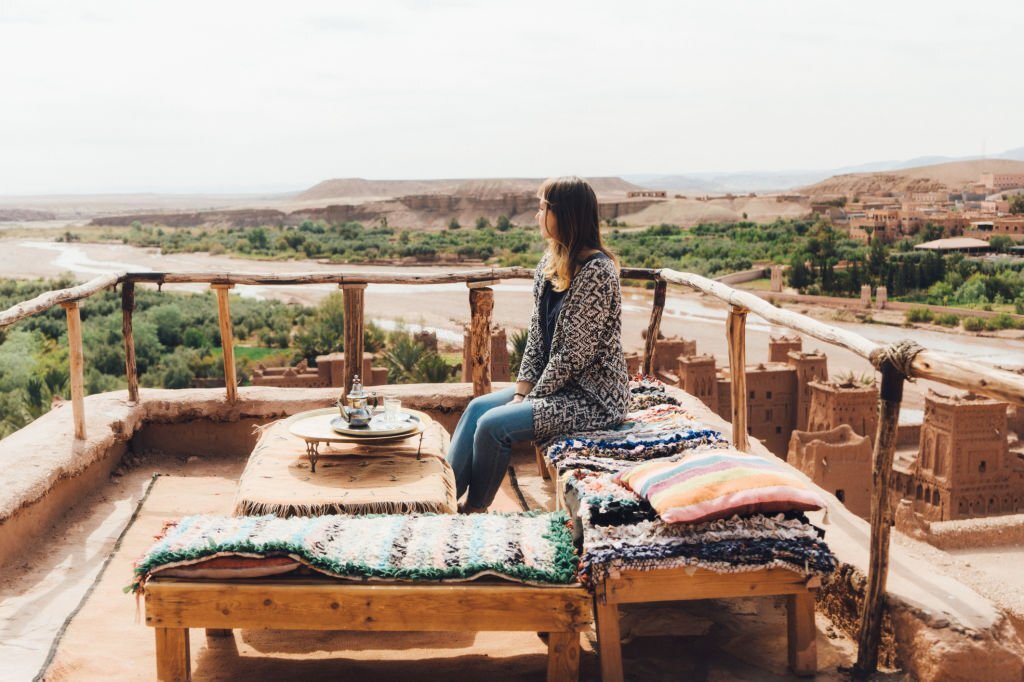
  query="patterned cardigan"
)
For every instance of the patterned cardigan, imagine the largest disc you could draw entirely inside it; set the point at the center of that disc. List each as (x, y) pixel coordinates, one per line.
(584, 385)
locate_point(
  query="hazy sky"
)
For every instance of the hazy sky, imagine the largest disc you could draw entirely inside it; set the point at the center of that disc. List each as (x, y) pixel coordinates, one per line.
(226, 96)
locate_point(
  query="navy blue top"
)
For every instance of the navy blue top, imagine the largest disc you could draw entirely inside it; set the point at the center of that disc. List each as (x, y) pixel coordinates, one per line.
(551, 305)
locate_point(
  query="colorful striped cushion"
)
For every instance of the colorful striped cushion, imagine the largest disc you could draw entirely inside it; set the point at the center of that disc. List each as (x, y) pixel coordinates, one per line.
(718, 484)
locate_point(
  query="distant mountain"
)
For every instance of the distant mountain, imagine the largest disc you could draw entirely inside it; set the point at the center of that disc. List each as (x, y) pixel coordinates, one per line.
(942, 177)
(753, 181)
(479, 188)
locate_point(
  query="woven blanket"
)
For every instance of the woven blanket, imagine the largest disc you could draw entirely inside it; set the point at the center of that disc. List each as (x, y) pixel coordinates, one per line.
(725, 546)
(533, 548)
(647, 392)
(351, 478)
(600, 500)
(659, 431)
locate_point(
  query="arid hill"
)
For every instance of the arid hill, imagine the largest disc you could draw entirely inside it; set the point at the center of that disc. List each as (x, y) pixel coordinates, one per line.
(488, 188)
(937, 178)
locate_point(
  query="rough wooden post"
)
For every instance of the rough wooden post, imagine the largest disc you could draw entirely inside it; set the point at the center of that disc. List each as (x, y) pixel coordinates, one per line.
(77, 367)
(127, 308)
(653, 327)
(353, 295)
(481, 304)
(737, 334)
(890, 397)
(227, 340)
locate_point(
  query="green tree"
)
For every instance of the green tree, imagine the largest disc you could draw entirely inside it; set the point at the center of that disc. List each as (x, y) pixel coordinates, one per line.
(482, 223)
(503, 223)
(800, 276)
(1000, 243)
(1017, 204)
(325, 332)
(453, 224)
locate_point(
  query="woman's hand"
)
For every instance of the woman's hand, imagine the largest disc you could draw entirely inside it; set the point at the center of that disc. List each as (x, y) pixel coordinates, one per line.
(523, 389)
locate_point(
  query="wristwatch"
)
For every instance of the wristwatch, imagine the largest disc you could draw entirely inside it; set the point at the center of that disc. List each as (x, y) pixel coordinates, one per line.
(521, 395)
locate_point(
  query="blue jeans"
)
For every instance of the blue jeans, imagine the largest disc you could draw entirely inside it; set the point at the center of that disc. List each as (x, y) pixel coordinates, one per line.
(481, 446)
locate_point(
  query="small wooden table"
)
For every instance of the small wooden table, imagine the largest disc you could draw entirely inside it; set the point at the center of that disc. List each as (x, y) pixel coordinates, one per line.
(314, 427)
(175, 605)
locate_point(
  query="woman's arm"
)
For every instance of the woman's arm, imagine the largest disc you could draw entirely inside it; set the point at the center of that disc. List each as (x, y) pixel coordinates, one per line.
(584, 314)
(532, 363)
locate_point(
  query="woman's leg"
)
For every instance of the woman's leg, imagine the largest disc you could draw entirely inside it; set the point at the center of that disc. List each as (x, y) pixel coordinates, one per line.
(460, 451)
(492, 449)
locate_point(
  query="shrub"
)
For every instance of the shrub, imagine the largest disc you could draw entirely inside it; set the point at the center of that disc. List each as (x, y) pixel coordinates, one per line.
(919, 315)
(1001, 321)
(947, 319)
(973, 324)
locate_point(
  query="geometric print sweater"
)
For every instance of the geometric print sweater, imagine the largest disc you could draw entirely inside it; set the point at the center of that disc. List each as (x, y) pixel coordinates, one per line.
(584, 386)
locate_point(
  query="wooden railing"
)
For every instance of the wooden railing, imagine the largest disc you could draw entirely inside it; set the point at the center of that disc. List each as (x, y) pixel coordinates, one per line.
(896, 363)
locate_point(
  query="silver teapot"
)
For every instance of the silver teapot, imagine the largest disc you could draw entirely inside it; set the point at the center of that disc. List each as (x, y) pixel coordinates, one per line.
(357, 412)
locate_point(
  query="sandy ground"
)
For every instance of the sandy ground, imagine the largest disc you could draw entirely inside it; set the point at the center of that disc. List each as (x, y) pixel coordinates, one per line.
(445, 308)
(733, 640)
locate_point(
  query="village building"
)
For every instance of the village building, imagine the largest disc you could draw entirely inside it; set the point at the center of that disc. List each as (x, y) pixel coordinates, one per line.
(964, 467)
(778, 398)
(837, 460)
(329, 371)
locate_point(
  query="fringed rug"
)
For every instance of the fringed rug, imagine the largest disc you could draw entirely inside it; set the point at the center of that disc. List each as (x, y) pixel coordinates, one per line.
(659, 431)
(738, 544)
(532, 548)
(359, 479)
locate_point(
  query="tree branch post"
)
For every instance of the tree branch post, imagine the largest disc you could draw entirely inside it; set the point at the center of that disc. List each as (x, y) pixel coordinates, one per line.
(736, 329)
(76, 361)
(481, 305)
(654, 327)
(127, 308)
(227, 340)
(353, 301)
(890, 397)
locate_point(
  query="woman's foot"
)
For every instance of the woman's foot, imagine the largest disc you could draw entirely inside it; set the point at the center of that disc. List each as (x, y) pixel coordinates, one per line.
(466, 508)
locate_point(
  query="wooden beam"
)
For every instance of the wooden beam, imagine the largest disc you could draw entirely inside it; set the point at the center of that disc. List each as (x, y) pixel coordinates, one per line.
(76, 361)
(50, 299)
(333, 605)
(481, 305)
(227, 340)
(127, 308)
(632, 586)
(563, 657)
(653, 327)
(335, 277)
(737, 335)
(353, 295)
(173, 658)
(609, 639)
(801, 634)
(890, 397)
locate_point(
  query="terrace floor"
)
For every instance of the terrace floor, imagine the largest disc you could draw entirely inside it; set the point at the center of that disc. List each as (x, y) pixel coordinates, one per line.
(88, 562)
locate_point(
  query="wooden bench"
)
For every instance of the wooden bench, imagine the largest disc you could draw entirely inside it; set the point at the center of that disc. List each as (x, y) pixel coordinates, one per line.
(310, 603)
(679, 584)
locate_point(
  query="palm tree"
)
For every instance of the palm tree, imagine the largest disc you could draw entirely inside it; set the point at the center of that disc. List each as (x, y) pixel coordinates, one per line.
(515, 358)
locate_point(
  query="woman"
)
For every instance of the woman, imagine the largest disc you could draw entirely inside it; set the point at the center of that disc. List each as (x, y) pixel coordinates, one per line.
(573, 374)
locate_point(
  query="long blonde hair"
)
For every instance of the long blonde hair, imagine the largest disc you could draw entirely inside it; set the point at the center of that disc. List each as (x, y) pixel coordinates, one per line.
(578, 228)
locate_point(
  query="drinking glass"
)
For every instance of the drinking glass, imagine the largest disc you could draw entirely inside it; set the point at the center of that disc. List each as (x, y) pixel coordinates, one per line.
(391, 408)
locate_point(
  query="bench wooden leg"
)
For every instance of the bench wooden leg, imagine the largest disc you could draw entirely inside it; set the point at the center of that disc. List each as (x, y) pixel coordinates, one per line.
(563, 656)
(609, 642)
(803, 650)
(173, 662)
(217, 632)
(542, 464)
